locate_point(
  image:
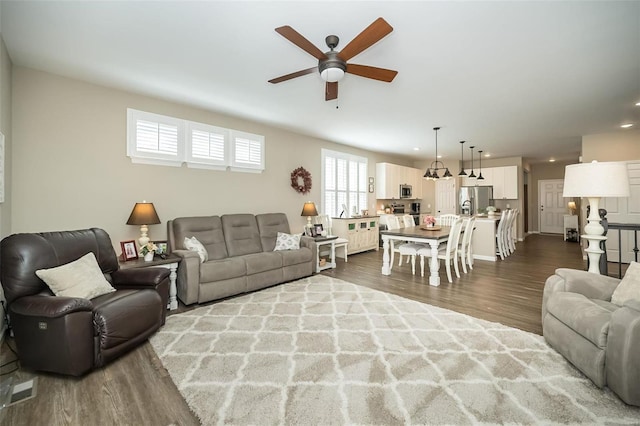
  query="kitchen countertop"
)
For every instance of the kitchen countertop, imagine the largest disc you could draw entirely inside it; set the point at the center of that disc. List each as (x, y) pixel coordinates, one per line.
(358, 217)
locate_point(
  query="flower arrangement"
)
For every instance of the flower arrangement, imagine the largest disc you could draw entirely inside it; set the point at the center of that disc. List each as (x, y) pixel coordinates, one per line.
(429, 221)
(147, 248)
(491, 210)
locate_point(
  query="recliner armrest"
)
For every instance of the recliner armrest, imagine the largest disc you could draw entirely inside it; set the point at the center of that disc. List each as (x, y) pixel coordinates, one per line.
(593, 286)
(139, 278)
(49, 306)
(308, 242)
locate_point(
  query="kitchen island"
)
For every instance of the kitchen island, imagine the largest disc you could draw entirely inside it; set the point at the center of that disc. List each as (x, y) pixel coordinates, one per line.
(484, 245)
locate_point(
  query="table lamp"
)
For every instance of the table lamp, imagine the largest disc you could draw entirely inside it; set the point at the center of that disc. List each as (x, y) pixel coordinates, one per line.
(143, 214)
(594, 180)
(308, 210)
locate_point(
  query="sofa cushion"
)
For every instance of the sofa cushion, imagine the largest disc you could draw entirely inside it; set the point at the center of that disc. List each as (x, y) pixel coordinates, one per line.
(222, 269)
(261, 262)
(80, 278)
(582, 315)
(207, 230)
(269, 224)
(629, 287)
(241, 234)
(295, 257)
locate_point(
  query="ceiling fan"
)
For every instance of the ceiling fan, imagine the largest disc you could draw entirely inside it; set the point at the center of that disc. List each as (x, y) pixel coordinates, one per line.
(333, 64)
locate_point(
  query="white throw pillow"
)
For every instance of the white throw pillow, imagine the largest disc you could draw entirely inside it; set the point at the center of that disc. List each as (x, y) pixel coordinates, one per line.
(194, 245)
(629, 287)
(80, 278)
(286, 241)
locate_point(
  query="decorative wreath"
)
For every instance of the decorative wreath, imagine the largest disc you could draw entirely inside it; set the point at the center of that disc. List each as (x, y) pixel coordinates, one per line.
(301, 180)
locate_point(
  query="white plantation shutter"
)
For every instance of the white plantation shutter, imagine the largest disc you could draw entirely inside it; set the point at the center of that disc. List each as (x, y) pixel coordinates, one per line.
(206, 146)
(248, 152)
(153, 138)
(344, 181)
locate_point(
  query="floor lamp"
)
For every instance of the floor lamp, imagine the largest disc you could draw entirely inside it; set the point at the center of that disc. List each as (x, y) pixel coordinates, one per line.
(593, 181)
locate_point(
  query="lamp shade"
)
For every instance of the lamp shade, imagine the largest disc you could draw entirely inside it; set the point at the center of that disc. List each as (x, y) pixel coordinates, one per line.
(309, 209)
(595, 179)
(143, 214)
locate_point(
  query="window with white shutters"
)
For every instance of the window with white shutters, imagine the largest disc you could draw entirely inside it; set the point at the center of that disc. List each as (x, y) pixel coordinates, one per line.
(248, 152)
(162, 140)
(206, 146)
(344, 181)
(155, 139)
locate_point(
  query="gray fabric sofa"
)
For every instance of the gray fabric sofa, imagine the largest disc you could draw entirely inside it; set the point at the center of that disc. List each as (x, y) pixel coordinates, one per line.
(598, 337)
(241, 257)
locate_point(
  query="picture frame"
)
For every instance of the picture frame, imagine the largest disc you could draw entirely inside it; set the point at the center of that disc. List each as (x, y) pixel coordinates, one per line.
(317, 230)
(163, 247)
(371, 187)
(129, 250)
(371, 181)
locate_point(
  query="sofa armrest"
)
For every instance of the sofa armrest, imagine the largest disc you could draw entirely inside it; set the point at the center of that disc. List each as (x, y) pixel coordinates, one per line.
(139, 278)
(308, 242)
(592, 286)
(188, 281)
(49, 306)
(623, 346)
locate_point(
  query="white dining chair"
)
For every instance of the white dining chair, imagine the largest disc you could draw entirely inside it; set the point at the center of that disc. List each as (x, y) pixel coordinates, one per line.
(464, 251)
(449, 253)
(393, 223)
(408, 221)
(446, 219)
(511, 238)
(500, 234)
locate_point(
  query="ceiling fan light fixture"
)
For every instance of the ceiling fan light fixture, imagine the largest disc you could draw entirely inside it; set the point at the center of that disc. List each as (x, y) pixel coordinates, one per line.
(332, 74)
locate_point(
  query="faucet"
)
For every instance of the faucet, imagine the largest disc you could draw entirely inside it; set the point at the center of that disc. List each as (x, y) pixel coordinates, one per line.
(465, 207)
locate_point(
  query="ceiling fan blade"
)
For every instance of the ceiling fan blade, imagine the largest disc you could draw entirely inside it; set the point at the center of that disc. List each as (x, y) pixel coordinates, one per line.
(296, 38)
(331, 91)
(367, 38)
(375, 73)
(293, 75)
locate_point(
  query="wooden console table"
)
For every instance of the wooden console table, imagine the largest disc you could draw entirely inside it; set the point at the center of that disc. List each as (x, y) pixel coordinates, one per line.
(170, 263)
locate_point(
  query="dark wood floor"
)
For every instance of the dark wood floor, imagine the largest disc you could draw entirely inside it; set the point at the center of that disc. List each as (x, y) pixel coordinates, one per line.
(137, 390)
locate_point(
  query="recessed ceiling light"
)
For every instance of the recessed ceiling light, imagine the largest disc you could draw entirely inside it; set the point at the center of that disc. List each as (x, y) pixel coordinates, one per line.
(552, 160)
(487, 155)
(439, 156)
(626, 126)
(637, 103)
(416, 149)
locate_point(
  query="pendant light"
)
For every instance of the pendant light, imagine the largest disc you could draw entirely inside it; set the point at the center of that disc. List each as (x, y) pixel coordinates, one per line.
(472, 175)
(480, 175)
(462, 172)
(432, 172)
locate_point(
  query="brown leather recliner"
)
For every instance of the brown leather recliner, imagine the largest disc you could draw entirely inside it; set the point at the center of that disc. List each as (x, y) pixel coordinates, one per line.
(70, 335)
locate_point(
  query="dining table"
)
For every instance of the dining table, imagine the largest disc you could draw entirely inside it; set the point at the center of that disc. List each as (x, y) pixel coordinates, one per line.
(416, 234)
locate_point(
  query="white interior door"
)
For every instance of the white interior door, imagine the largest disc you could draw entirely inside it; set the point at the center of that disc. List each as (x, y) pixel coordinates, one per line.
(445, 197)
(623, 210)
(552, 206)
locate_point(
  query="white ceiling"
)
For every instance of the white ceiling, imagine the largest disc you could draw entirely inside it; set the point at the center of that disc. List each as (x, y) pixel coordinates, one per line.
(512, 78)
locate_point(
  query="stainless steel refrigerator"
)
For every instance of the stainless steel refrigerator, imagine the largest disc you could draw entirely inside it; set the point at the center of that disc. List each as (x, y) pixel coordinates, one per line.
(475, 199)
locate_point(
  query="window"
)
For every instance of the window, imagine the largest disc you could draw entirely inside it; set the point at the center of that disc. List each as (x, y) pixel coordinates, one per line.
(162, 140)
(344, 183)
(248, 151)
(154, 139)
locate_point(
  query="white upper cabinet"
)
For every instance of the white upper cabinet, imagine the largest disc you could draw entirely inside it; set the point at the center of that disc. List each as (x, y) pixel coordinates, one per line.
(391, 176)
(503, 179)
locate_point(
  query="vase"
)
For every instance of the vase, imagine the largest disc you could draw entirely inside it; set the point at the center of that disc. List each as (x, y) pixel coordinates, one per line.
(148, 257)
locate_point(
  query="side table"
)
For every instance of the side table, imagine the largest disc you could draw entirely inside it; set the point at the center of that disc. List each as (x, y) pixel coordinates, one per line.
(331, 241)
(170, 263)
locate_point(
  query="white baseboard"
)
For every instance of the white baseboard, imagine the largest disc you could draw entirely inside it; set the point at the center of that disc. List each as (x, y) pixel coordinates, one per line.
(481, 257)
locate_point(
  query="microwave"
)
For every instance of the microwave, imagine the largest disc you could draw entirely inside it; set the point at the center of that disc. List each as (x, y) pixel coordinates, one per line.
(405, 191)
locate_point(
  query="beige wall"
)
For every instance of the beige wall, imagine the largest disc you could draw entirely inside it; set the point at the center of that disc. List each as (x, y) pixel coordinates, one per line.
(71, 170)
(5, 128)
(622, 145)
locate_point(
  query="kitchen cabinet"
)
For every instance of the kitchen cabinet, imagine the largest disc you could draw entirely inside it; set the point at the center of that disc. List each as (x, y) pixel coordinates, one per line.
(363, 233)
(391, 176)
(503, 179)
(505, 183)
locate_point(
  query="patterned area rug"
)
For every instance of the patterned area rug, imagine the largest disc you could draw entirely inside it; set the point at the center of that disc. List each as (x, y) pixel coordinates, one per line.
(324, 351)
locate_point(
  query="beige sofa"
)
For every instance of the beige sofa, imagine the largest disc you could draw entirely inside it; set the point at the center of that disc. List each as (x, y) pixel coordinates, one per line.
(600, 338)
(241, 256)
